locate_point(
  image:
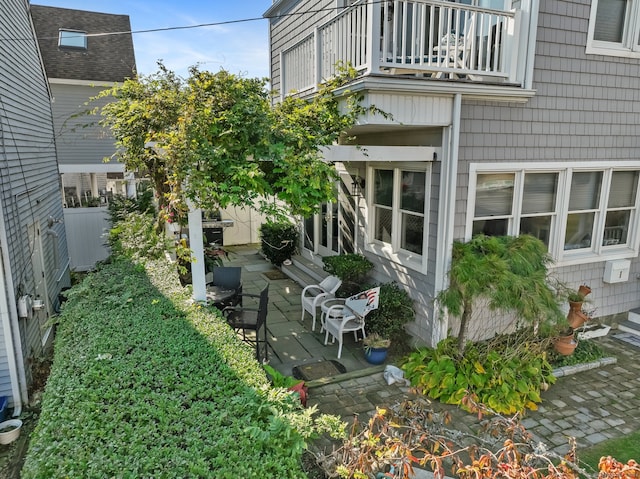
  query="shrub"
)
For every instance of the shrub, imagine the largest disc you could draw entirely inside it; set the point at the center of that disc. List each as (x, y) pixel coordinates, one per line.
(394, 311)
(412, 434)
(279, 241)
(120, 206)
(144, 383)
(135, 236)
(351, 268)
(507, 376)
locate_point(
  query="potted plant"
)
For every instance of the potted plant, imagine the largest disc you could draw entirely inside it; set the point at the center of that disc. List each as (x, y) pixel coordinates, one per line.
(10, 430)
(279, 241)
(575, 299)
(351, 268)
(385, 325)
(279, 380)
(565, 343)
(376, 348)
(395, 310)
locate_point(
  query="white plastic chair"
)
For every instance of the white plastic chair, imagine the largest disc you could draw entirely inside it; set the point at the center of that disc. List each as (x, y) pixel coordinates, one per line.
(340, 318)
(314, 294)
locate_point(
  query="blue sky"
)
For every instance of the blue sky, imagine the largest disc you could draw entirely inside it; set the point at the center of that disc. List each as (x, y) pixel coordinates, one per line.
(241, 48)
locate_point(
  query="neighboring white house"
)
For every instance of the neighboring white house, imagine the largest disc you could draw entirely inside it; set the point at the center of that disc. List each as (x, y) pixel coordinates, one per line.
(509, 117)
(80, 63)
(34, 258)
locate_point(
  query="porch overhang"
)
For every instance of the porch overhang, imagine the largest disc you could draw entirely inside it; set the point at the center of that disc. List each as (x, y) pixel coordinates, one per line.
(349, 153)
(419, 87)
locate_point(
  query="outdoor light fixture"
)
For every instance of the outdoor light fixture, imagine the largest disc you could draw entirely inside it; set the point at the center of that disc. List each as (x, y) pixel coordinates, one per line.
(357, 186)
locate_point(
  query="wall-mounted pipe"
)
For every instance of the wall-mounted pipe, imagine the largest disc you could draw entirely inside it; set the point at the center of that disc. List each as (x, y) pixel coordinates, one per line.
(56, 253)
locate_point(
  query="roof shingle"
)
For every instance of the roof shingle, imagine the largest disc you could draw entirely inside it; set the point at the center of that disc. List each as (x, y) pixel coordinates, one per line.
(107, 58)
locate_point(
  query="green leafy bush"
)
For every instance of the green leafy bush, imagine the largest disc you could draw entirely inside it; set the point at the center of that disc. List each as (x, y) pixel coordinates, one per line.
(135, 236)
(279, 241)
(120, 206)
(506, 376)
(144, 383)
(351, 268)
(394, 311)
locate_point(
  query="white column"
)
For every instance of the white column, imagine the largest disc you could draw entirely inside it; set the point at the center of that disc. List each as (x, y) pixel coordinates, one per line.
(196, 243)
(131, 184)
(94, 185)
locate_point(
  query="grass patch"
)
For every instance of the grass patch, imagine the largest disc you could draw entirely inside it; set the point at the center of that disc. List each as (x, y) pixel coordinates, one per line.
(622, 448)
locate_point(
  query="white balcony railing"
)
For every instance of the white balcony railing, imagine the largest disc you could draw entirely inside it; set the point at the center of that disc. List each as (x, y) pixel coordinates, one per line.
(432, 37)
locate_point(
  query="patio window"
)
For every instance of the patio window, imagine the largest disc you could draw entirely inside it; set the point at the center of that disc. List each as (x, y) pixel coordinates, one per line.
(614, 28)
(576, 213)
(398, 209)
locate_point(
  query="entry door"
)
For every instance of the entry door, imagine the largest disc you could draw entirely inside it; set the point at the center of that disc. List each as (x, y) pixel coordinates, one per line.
(329, 220)
(332, 231)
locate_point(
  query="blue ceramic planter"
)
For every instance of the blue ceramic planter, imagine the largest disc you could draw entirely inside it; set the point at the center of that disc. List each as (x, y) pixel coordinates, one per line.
(375, 355)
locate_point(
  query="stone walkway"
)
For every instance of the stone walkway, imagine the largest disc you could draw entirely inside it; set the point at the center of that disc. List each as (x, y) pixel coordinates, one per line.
(591, 405)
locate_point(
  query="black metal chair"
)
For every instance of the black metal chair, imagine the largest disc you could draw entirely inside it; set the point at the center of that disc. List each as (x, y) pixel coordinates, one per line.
(243, 319)
(226, 286)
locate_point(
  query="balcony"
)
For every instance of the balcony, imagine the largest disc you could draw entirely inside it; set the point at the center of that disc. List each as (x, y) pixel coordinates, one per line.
(426, 38)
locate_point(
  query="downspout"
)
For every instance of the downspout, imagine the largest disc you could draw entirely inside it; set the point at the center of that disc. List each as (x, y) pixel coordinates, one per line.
(11, 328)
(446, 216)
(8, 308)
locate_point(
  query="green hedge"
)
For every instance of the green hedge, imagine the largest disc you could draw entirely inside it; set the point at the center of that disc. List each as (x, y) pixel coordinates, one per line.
(146, 384)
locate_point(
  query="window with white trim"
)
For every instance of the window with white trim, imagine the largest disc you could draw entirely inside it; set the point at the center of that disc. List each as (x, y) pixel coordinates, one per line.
(72, 39)
(575, 212)
(614, 28)
(398, 211)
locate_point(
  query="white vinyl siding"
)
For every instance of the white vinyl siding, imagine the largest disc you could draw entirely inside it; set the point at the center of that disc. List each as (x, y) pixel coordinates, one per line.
(29, 180)
(79, 138)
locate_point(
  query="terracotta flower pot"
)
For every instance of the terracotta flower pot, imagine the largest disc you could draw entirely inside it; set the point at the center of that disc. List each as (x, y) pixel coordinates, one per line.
(565, 344)
(565, 348)
(576, 318)
(584, 290)
(575, 305)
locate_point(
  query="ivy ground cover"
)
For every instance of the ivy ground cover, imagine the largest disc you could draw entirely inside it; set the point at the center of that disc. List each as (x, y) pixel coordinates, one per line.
(145, 384)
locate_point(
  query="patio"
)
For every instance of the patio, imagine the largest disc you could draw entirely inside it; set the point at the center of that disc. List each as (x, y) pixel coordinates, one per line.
(291, 342)
(591, 405)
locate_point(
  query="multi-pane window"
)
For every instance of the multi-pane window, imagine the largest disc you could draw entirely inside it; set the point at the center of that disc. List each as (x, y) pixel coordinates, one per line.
(494, 204)
(584, 200)
(620, 207)
(398, 209)
(539, 205)
(72, 39)
(614, 28)
(583, 211)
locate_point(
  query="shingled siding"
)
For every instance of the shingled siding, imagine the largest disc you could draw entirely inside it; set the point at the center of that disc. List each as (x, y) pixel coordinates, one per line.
(586, 109)
(106, 58)
(29, 178)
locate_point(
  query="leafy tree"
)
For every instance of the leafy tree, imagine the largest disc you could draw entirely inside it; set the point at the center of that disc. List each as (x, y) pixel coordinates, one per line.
(216, 139)
(511, 272)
